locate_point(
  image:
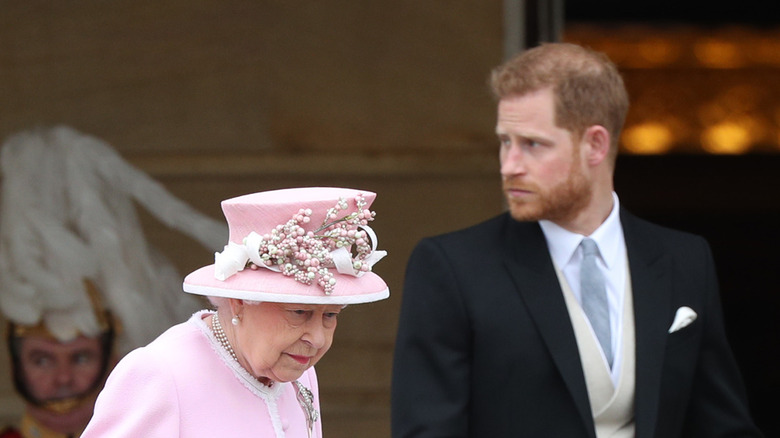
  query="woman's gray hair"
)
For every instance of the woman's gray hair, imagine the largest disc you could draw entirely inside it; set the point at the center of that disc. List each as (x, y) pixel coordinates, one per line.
(218, 302)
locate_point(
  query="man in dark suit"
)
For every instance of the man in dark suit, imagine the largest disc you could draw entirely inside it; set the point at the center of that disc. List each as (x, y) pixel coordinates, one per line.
(497, 336)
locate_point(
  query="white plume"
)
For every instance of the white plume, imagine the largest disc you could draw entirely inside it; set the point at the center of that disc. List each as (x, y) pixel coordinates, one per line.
(68, 213)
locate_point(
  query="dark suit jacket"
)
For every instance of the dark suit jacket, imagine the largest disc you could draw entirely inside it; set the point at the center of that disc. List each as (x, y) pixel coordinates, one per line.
(485, 347)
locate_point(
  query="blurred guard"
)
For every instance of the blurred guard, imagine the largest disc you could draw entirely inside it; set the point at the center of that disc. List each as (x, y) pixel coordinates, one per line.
(79, 284)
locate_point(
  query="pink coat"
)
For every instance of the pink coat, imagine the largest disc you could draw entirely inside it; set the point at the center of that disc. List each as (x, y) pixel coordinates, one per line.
(184, 384)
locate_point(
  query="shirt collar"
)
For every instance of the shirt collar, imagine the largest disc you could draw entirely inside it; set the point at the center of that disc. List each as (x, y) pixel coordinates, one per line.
(563, 243)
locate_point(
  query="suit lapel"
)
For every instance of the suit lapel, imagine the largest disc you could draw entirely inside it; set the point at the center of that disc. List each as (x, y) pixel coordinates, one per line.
(530, 266)
(651, 284)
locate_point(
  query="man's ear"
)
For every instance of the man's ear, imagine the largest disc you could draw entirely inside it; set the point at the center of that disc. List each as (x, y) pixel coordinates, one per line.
(596, 140)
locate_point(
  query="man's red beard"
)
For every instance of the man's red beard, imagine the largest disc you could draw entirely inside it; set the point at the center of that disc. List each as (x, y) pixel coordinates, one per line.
(559, 203)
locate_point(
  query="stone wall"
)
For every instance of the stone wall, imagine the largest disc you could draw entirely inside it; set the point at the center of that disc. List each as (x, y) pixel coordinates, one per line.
(218, 99)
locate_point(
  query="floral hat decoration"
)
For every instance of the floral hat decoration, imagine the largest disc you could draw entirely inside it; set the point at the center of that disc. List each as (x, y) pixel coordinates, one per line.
(303, 245)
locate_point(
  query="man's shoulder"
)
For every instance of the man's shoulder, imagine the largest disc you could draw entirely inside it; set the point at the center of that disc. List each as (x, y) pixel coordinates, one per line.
(485, 229)
(646, 236)
(635, 224)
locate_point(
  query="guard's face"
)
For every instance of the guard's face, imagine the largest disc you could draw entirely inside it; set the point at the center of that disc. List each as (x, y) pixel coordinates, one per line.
(52, 370)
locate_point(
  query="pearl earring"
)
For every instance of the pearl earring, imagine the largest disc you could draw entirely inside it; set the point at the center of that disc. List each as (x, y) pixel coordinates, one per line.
(235, 320)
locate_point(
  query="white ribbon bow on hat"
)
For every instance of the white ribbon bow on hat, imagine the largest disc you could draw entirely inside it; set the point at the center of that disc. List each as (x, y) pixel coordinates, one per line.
(683, 318)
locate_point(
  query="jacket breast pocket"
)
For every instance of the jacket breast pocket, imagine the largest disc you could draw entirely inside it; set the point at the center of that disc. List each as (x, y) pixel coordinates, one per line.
(685, 337)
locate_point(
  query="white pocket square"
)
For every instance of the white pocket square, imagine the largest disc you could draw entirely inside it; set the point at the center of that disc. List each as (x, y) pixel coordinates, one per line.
(683, 318)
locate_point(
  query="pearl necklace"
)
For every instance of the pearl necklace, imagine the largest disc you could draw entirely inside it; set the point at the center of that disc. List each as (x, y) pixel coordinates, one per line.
(221, 336)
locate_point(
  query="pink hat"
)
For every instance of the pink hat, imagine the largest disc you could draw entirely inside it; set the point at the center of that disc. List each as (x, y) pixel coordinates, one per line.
(304, 245)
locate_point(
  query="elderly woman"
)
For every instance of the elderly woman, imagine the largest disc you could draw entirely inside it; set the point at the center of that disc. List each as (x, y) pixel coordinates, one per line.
(295, 259)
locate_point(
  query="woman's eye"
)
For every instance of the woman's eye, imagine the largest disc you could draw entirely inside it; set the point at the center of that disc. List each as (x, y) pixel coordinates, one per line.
(299, 315)
(329, 319)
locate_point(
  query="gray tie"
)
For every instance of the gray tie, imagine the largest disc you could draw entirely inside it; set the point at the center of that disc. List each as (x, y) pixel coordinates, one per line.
(594, 296)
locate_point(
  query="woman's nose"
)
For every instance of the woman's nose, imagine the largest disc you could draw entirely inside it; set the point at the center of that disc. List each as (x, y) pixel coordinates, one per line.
(316, 333)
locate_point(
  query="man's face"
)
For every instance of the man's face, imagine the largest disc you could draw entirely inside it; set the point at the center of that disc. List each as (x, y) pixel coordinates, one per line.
(52, 370)
(541, 167)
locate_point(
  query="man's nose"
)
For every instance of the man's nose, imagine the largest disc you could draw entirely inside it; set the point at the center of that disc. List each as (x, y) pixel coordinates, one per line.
(512, 162)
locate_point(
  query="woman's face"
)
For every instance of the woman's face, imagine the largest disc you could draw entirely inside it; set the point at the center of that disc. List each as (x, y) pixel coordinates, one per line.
(280, 341)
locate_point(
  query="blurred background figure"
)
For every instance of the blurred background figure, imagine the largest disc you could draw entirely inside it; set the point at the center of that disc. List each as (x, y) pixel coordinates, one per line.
(80, 285)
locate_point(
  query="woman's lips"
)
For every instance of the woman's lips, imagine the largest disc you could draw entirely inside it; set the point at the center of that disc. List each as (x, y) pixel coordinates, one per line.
(303, 360)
